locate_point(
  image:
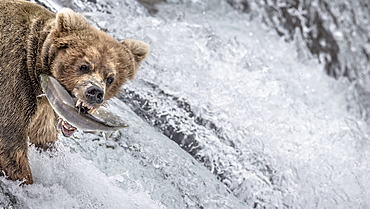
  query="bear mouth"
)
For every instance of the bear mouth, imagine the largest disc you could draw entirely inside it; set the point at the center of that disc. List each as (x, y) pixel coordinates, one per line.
(84, 107)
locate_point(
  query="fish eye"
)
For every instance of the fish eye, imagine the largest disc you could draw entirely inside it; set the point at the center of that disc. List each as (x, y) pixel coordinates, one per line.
(85, 68)
(110, 80)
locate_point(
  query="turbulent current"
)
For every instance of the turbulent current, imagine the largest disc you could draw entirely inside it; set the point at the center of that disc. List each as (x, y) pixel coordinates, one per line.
(224, 113)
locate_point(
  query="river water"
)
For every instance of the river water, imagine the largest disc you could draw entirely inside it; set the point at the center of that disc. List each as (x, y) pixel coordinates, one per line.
(224, 113)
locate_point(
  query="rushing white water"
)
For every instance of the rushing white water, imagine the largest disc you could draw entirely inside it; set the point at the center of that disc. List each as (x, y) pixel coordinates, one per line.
(265, 118)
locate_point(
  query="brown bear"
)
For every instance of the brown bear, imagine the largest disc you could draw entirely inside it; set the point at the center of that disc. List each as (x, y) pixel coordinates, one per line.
(90, 64)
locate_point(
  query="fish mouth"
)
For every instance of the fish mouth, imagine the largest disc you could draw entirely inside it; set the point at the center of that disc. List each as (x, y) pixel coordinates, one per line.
(66, 128)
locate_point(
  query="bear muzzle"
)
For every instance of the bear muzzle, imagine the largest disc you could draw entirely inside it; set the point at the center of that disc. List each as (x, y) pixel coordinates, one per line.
(88, 96)
(94, 95)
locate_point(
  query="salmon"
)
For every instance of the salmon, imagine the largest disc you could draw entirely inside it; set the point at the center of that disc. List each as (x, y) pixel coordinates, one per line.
(63, 104)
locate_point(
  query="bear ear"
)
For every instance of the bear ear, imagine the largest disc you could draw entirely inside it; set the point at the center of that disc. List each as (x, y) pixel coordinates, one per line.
(138, 48)
(68, 20)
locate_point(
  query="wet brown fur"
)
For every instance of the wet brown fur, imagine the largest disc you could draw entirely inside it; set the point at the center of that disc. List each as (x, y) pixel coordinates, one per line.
(34, 40)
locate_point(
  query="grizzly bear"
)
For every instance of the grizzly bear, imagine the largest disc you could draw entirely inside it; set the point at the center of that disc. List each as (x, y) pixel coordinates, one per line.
(90, 64)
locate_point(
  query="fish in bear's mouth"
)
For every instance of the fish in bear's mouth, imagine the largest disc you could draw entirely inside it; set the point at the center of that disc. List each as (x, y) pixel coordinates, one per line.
(77, 112)
(83, 108)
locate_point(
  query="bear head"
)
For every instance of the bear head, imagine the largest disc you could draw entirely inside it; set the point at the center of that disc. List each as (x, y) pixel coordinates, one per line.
(90, 64)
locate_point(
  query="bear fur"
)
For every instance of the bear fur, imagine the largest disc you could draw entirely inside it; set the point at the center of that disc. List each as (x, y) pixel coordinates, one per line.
(34, 40)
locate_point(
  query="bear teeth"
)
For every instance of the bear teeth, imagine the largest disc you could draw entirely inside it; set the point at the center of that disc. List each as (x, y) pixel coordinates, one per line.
(91, 111)
(87, 107)
(78, 103)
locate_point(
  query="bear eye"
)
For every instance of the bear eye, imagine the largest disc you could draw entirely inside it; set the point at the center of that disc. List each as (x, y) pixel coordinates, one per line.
(110, 80)
(84, 68)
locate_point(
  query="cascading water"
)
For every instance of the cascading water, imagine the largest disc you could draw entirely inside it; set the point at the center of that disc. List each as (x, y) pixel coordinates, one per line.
(261, 114)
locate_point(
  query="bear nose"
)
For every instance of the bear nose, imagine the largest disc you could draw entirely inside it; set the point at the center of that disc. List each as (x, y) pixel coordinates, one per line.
(94, 95)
